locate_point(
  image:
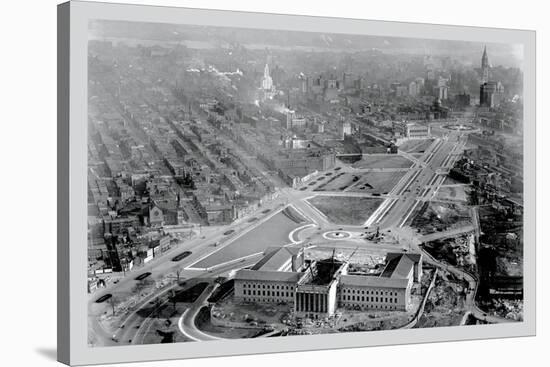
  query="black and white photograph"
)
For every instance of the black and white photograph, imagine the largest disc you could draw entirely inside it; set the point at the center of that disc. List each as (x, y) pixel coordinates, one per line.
(274, 183)
(256, 183)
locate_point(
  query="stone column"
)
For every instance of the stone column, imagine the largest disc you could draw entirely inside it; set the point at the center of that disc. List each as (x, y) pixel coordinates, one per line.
(317, 302)
(314, 302)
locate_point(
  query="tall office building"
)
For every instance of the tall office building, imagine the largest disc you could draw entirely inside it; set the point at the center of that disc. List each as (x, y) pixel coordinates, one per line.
(491, 94)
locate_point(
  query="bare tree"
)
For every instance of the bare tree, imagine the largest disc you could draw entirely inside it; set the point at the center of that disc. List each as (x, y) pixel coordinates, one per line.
(173, 298)
(112, 302)
(157, 306)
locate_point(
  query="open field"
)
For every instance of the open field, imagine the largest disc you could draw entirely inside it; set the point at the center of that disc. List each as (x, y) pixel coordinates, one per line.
(383, 161)
(346, 210)
(416, 145)
(273, 232)
(377, 182)
(454, 193)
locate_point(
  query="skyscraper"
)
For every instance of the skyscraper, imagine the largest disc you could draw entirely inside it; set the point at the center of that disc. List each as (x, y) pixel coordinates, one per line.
(491, 94)
(485, 66)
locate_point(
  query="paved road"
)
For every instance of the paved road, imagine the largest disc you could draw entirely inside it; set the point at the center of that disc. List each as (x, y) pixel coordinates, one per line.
(186, 323)
(137, 323)
(421, 182)
(448, 233)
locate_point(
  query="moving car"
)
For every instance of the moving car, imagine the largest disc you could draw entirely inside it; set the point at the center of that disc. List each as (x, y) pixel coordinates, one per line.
(181, 256)
(143, 276)
(104, 298)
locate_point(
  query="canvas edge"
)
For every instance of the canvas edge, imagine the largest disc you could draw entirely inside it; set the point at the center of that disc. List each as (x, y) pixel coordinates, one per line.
(63, 254)
(74, 354)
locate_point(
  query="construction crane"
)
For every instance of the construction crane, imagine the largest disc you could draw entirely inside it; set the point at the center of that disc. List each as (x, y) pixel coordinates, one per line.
(311, 271)
(353, 253)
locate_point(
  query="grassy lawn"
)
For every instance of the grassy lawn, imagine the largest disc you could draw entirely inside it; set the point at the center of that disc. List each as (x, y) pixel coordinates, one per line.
(383, 161)
(346, 210)
(377, 182)
(367, 182)
(337, 182)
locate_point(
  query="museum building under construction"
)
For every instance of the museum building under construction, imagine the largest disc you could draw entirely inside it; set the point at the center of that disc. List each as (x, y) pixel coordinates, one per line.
(317, 288)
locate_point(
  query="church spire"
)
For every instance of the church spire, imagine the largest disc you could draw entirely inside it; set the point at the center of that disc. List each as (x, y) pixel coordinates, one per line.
(485, 66)
(484, 58)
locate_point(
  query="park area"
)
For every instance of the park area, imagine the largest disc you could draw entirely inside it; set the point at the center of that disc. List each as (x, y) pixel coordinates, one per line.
(272, 232)
(390, 161)
(377, 182)
(346, 210)
(364, 182)
(337, 182)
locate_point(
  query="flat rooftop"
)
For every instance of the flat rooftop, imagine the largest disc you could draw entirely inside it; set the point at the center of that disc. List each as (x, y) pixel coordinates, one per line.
(268, 276)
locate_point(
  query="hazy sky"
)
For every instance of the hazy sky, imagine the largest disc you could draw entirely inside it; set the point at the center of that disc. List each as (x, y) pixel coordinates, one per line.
(499, 54)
